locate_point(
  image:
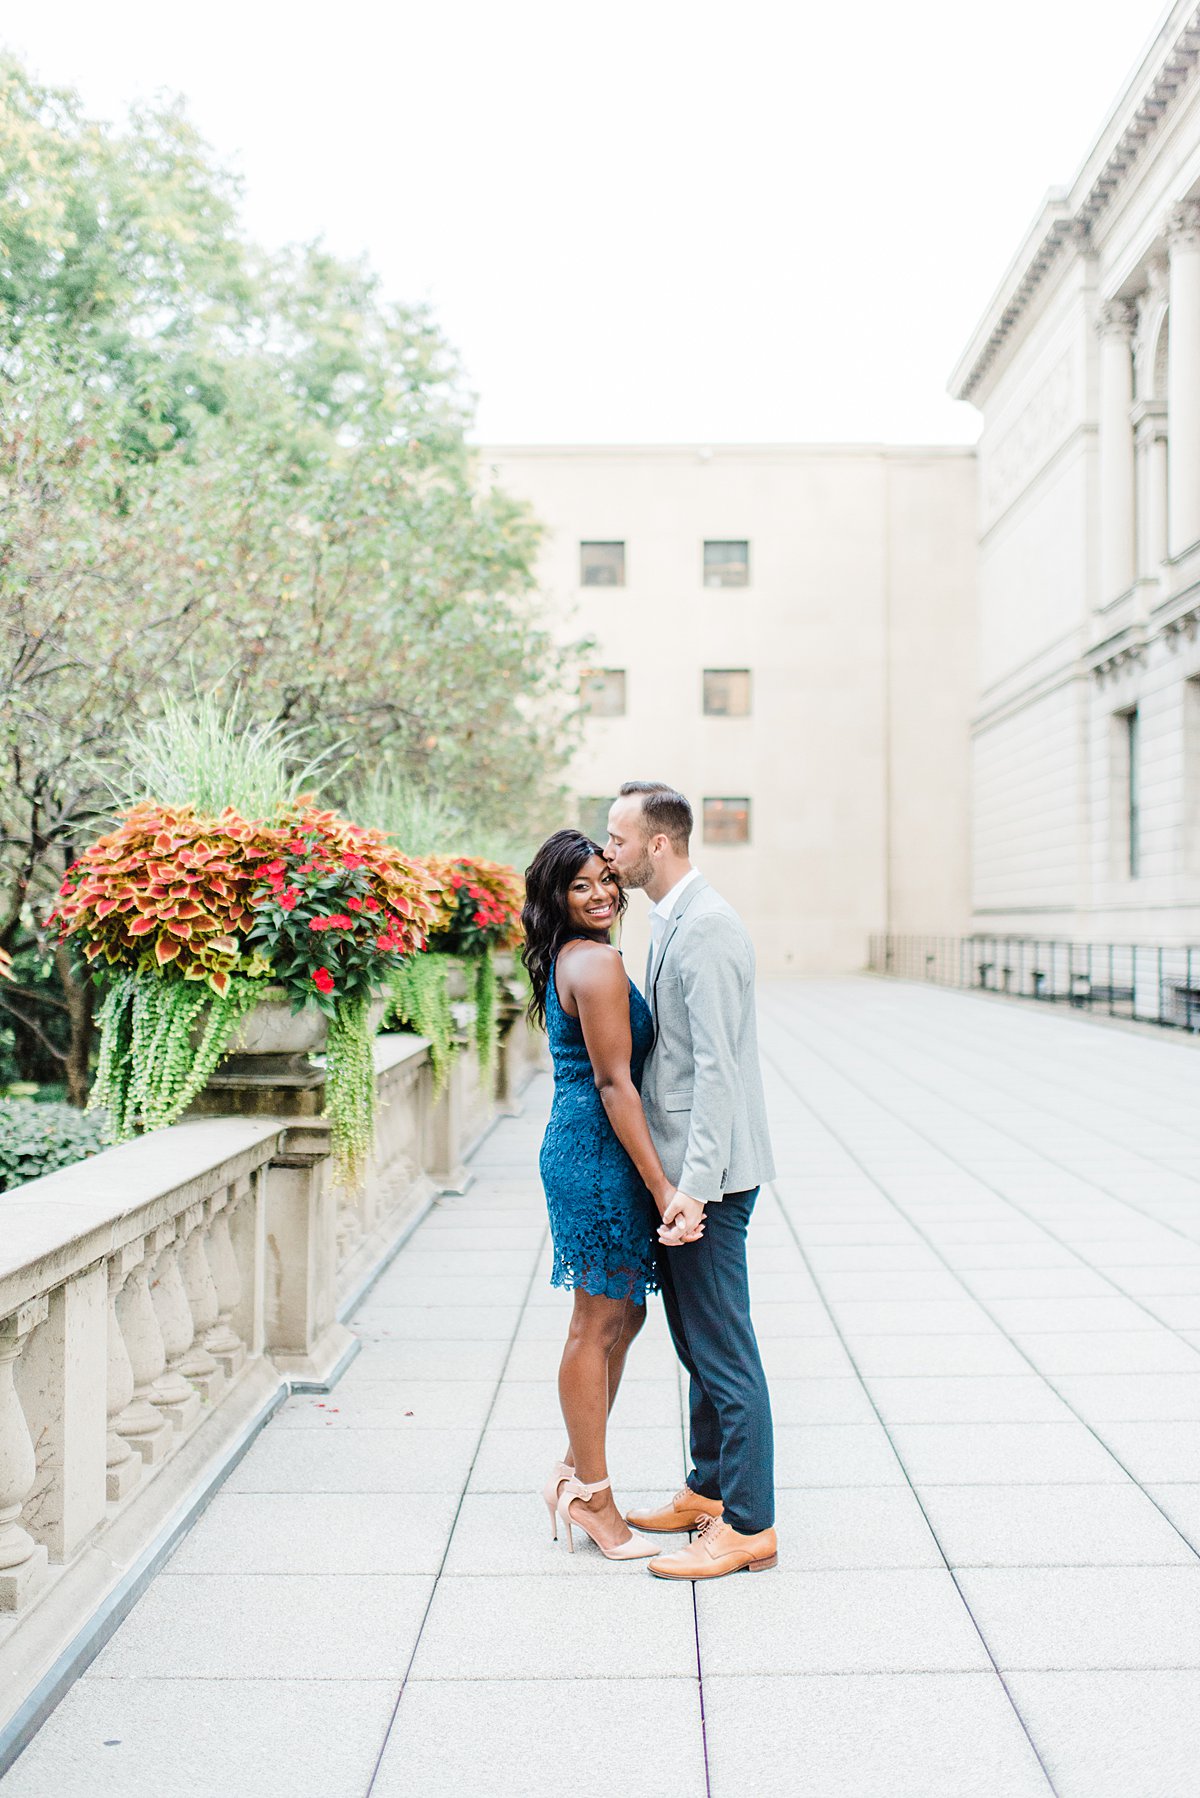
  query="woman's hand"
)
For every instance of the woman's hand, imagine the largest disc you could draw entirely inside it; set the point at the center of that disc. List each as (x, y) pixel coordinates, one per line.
(683, 1219)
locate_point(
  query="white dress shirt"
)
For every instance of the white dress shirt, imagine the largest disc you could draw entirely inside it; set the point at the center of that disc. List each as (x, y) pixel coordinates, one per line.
(660, 913)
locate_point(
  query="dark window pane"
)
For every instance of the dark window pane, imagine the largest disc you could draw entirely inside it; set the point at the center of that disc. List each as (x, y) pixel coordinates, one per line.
(727, 564)
(602, 564)
(726, 820)
(602, 691)
(727, 692)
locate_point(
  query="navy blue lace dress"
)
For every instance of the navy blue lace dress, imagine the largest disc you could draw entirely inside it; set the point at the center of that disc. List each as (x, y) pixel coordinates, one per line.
(602, 1219)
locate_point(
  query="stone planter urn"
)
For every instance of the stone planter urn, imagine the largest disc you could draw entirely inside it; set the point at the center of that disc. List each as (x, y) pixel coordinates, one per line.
(267, 1069)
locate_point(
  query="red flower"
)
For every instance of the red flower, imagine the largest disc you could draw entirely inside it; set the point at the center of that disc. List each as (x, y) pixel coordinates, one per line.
(476, 893)
(383, 941)
(354, 904)
(353, 861)
(456, 880)
(318, 923)
(323, 980)
(372, 905)
(275, 868)
(481, 918)
(339, 921)
(288, 898)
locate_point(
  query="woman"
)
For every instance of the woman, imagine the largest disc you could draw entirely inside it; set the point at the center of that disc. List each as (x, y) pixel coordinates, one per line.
(602, 1177)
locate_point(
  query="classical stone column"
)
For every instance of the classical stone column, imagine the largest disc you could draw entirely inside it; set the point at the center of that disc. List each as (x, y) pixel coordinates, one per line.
(1118, 482)
(1150, 433)
(1183, 379)
(22, 1560)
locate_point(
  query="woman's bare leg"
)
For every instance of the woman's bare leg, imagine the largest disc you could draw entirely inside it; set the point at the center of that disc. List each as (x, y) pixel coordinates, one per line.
(596, 1328)
(632, 1320)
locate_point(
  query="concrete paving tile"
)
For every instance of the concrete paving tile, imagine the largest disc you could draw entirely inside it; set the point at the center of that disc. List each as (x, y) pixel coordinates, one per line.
(373, 1404)
(1155, 1452)
(420, 1260)
(1075, 1617)
(524, 1732)
(873, 1526)
(419, 1290)
(921, 1355)
(804, 1357)
(356, 1461)
(1003, 1454)
(509, 1533)
(800, 1318)
(183, 1738)
(882, 1621)
(436, 1323)
(1182, 1505)
(1051, 1526)
(1157, 1248)
(558, 1629)
(989, 1283)
(872, 1258)
(1111, 1351)
(971, 1398)
(269, 1626)
(836, 1454)
(318, 1532)
(874, 1283)
(1157, 1281)
(384, 1359)
(1179, 1311)
(979, 1255)
(1024, 1317)
(841, 1400)
(1114, 1735)
(880, 1735)
(1133, 1397)
(518, 1460)
(529, 1404)
(933, 1317)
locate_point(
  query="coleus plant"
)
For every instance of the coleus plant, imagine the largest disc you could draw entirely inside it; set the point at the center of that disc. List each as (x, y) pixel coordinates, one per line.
(481, 906)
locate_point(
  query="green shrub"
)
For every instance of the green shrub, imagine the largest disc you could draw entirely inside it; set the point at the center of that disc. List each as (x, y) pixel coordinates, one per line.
(37, 1139)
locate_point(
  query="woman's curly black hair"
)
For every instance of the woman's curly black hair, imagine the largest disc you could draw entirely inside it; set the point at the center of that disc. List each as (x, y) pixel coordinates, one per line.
(544, 917)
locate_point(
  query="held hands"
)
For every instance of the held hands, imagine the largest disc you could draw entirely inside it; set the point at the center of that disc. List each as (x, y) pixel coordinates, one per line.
(682, 1220)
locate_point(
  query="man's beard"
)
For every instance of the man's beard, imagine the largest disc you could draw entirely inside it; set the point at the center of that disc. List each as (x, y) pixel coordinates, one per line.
(640, 875)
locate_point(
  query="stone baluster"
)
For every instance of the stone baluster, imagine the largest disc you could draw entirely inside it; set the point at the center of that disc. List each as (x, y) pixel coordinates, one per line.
(199, 1365)
(223, 1341)
(22, 1560)
(1183, 379)
(141, 1423)
(123, 1468)
(172, 1395)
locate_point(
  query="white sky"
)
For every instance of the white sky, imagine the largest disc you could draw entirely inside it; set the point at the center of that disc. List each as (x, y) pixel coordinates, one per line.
(646, 220)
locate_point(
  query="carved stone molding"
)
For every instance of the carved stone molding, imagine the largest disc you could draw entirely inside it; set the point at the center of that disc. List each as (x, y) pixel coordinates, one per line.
(1116, 318)
(1182, 629)
(1183, 226)
(1119, 661)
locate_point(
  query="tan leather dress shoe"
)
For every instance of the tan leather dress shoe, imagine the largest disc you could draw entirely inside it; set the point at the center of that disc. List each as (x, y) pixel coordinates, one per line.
(718, 1549)
(683, 1513)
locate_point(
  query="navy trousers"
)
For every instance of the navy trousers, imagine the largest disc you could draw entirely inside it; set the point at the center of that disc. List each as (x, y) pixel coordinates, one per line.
(706, 1292)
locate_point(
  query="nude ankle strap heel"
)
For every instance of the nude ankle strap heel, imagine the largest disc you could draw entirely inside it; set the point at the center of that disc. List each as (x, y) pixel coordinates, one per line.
(635, 1549)
(559, 1474)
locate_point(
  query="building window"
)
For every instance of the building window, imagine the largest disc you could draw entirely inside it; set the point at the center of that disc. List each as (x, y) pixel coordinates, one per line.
(602, 564)
(727, 564)
(1132, 754)
(726, 692)
(726, 820)
(602, 691)
(593, 817)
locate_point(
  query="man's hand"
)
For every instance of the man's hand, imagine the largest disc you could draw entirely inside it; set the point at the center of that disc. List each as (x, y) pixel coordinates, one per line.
(683, 1221)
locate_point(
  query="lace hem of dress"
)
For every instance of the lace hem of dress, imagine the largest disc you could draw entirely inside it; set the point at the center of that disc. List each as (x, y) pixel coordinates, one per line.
(604, 1283)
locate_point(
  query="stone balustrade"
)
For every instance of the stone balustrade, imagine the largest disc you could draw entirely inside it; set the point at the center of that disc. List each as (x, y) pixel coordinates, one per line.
(157, 1303)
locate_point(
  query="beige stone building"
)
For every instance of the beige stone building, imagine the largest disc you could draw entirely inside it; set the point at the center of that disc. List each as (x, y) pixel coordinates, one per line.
(1086, 369)
(787, 634)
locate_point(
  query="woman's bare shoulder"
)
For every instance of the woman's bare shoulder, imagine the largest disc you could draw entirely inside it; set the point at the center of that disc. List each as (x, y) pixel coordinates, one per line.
(592, 968)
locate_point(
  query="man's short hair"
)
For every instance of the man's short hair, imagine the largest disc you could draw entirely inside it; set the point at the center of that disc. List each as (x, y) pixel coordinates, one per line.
(667, 813)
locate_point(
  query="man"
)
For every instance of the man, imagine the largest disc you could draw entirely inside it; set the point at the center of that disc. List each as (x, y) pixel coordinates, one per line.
(703, 1097)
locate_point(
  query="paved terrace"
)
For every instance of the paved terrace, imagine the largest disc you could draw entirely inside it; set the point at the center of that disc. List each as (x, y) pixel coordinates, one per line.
(978, 1287)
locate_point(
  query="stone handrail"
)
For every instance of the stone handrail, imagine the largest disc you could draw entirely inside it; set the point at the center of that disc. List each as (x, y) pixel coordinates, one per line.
(157, 1302)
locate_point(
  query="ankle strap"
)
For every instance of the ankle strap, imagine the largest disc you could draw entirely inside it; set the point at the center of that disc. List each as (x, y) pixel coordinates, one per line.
(583, 1491)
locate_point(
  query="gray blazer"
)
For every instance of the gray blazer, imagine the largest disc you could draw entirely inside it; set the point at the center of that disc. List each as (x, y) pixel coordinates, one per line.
(702, 1086)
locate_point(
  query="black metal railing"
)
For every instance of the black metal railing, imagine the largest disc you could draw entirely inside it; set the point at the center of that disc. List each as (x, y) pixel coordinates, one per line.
(1145, 982)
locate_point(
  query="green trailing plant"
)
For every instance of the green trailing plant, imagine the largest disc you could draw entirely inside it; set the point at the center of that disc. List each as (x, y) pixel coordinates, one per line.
(161, 1038)
(350, 1090)
(420, 994)
(483, 969)
(38, 1139)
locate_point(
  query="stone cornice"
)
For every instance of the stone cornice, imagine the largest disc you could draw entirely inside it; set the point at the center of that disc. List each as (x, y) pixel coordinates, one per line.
(1069, 214)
